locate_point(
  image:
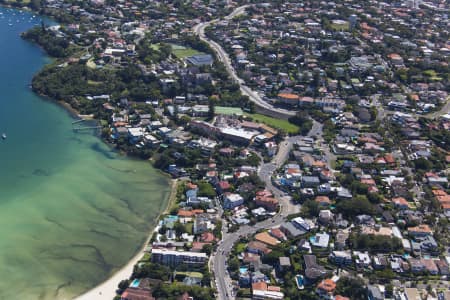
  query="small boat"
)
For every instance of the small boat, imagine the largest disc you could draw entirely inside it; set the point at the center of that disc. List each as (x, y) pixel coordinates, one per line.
(4, 136)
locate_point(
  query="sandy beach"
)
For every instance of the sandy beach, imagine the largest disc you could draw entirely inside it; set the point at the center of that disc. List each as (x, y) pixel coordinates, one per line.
(107, 289)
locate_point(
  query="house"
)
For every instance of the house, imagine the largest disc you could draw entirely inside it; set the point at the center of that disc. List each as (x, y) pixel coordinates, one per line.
(231, 200)
(421, 230)
(417, 265)
(326, 216)
(266, 238)
(429, 245)
(326, 289)
(363, 259)
(266, 200)
(374, 292)
(302, 224)
(223, 186)
(443, 267)
(380, 262)
(323, 200)
(278, 234)
(261, 291)
(313, 271)
(207, 237)
(291, 230)
(341, 239)
(310, 181)
(258, 248)
(400, 203)
(135, 134)
(341, 258)
(284, 263)
(288, 99)
(343, 193)
(320, 240)
(430, 266)
(133, 293)
(244, 279)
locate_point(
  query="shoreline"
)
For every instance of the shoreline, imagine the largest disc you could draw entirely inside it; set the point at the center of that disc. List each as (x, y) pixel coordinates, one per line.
(106, 290)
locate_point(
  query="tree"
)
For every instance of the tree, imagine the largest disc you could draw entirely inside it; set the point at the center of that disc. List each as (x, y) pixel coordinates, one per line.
(36, 5)
(423, 164)
(302, 120)
(207, 248)
(310, 208)
(356, 206)
(352, 288)
(211, 108)
(123, 285)
(375, 243)
(179, 228)
(205, 189)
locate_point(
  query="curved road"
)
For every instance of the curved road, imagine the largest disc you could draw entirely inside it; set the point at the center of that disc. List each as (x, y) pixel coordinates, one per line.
(219, 259)
(199, 29)
(219, 266)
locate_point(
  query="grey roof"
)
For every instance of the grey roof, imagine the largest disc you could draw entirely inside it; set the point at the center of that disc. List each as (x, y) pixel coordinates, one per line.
(291, 229)
(313, 270)
(374, 292)
(200, 60)
(284, 261)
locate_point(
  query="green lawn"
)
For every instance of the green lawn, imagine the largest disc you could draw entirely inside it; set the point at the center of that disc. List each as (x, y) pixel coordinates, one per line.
(340, 27)
(16, 1)
(189, 227)
(183, 52)
(192, 274)
(155, 46)
(228, 110)
(273, 122)
(240, 247)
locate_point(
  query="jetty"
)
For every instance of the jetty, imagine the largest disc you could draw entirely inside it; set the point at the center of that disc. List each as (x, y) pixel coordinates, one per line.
(77, 121)
(76, 129)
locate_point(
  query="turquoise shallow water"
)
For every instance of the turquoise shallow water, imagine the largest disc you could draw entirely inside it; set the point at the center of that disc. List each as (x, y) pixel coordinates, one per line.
(71, 210)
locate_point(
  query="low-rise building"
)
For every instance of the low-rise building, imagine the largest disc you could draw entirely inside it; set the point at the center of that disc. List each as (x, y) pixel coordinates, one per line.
(231, 200)
(174, 258)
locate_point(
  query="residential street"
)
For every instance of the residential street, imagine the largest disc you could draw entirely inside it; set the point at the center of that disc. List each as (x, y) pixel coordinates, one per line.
(199, 29)
(219, 266)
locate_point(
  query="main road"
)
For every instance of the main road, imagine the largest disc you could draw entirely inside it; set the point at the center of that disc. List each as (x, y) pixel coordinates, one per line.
(223, 56)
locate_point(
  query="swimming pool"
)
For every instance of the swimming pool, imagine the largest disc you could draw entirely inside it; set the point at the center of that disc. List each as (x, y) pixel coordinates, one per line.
(299, 282)
(243, 270)
(135, 283)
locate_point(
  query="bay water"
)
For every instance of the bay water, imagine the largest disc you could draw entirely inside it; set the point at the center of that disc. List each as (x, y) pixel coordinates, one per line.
(72, 211)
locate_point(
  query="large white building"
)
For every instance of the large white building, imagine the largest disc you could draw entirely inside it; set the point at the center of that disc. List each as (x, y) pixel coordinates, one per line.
(173, 258)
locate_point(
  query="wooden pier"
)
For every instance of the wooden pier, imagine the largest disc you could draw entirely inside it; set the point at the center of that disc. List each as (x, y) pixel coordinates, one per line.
(77, 121)
(76, 129)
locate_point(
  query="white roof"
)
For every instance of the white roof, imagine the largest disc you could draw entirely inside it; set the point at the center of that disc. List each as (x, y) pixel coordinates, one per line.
(135, 131)
(246, 134)
(268, 294)
(233, 197)
(173, 252)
